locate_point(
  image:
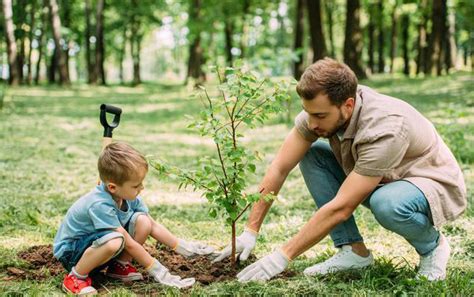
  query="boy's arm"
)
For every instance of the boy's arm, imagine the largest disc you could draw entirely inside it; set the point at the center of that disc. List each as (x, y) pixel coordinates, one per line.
(163, 235)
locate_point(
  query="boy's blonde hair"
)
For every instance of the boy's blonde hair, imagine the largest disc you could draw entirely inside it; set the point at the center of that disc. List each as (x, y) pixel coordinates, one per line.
(118, 162)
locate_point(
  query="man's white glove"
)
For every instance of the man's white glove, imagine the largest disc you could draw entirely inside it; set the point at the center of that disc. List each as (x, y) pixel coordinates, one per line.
(265, 268)
(244, 244)
(190, 249)
(161, 274)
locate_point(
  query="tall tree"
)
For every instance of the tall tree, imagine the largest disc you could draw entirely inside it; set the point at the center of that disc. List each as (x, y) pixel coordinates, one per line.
(100, 45)
(353, 39)
(422, 43)
(436, 37)
(451, 48)
(371, 36)
(30, 38)
(229, 34)
(381, 39)
(44, 22)
(405, 38)
(298, 44)
(196, 55)
(316, 29)
(21, 16)
(91, 74)
(329, 9)
(393, 37)
(245, 28)
(56, 27)
(14, 78)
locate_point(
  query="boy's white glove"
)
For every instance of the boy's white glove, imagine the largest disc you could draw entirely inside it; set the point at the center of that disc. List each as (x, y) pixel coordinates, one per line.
(189, 249)
(265, 268)
(161, 274)
(244, 244)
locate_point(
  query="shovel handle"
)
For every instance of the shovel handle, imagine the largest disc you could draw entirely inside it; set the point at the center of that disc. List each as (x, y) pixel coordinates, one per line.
(109, 127)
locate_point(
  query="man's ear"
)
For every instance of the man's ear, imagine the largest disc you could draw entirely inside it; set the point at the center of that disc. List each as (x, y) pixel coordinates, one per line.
(349, 105)
(112, 187)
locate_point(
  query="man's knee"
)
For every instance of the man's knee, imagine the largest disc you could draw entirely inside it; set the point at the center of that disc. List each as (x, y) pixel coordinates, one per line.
(384, 209)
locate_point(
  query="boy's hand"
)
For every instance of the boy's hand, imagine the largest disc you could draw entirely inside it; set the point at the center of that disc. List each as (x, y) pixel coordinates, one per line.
(190, 249)
(161, 274)
(245, 243)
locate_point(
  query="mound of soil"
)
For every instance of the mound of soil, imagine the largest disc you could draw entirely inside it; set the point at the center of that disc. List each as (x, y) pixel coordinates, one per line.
(42, 265)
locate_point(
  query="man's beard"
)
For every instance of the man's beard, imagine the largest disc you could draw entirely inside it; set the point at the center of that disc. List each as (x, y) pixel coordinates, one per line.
(340, 124)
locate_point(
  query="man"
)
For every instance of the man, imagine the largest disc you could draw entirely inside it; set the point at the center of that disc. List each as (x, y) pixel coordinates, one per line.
(382, 153)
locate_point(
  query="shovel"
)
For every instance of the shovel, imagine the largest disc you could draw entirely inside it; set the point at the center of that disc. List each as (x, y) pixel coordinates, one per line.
(108, 127)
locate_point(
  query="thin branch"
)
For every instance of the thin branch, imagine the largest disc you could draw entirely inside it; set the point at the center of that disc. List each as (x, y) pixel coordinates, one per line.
(246, 101)
(242, 212)
(251, 112)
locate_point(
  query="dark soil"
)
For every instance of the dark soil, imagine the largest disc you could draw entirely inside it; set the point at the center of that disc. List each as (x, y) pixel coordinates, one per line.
(42, 265)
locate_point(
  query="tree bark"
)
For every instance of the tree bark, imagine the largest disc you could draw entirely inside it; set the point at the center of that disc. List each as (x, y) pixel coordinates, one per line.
(329, 7)
(56, 27)
(66, 16)
(21, 12)
(371, 34)
(451, 48)
(435, 38)
(30, 38)
(122, 54)
(245, 28)
(100, 46)
(196, 55)
(316, 29)
(405, 38)
(381, 39)
(44, 23)
(393, 39)
(298, 42)
(422, 45)
(229, 32)
(91, 75)
(14, 78)
(353, 39)
(135, 41)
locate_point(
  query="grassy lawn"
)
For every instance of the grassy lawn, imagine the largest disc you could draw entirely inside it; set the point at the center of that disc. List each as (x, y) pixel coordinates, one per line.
(50, 139)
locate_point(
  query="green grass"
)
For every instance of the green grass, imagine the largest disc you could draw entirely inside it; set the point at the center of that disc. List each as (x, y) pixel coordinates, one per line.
(50, 139)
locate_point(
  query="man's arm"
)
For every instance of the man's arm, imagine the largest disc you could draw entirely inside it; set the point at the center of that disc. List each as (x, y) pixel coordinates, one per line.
(291, 152)
(353, 191)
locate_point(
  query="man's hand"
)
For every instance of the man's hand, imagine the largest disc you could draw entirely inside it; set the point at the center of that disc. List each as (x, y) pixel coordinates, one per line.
(190, 249)
(265, 268)
(244, 244)
(161, 274)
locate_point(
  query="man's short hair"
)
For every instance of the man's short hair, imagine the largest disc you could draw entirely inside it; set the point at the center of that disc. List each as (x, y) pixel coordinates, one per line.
(119, 161)
(329, 77)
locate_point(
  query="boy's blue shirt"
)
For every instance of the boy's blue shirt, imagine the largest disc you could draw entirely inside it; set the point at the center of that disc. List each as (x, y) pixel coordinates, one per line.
(93, 212)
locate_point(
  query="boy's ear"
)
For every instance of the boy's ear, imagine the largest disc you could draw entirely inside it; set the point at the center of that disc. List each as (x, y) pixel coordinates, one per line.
(111, 187)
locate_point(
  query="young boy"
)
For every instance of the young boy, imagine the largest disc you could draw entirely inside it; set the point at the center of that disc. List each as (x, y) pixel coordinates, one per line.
(109, 225)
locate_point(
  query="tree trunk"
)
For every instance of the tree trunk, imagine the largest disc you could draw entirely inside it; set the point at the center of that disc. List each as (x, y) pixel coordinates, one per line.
(393, 43)
(100, 46)
(122, 54)
(91, 75)
(422, 45)
(53, 67)
(245, 28)
(56, 26)
(316, 29)
(298, 42)
(353, 39)
(381, 61)
(451, 48)
(66, 16)
(30, 37)
(443, 38)
(196, 55)
(435, 38)
(22, 22)
(406, 59)
(371, 33)
(229, 32)
(14, 78)
(329, 7)
(44, 23)
(136, 60)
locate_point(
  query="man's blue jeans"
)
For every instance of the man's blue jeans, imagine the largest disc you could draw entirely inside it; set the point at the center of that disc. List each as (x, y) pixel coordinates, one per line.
(398, 206)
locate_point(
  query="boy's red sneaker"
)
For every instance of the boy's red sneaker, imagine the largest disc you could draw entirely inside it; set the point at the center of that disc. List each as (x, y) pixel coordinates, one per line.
(126, 273)
(78, 287)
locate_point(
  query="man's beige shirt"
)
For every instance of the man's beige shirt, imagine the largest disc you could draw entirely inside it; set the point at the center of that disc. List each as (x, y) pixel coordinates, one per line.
(388, 137)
